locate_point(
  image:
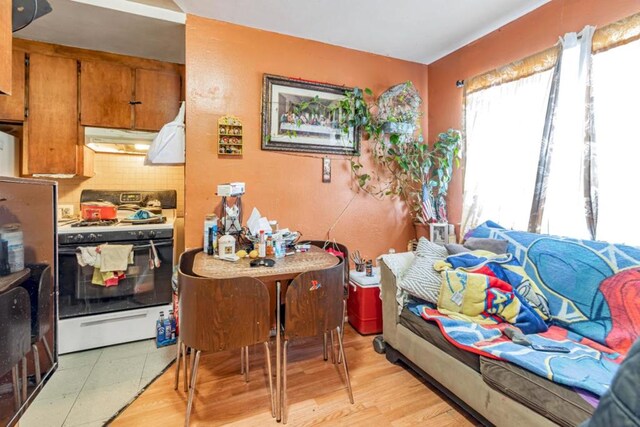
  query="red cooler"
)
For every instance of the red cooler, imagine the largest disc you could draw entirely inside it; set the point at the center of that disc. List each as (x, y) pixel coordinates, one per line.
(364, 307)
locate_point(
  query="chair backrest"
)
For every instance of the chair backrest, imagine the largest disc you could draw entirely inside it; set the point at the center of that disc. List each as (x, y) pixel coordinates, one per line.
(323, 244)
(15, 327)
(40, 287)
(185, 264)
(217, 315)
(314, 302)
(45, 318)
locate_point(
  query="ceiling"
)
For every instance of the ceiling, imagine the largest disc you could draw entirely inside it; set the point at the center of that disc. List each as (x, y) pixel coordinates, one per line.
(144, 28)
(415, 30)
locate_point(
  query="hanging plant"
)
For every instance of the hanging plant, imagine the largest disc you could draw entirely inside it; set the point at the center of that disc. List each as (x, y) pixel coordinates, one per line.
(404, 166)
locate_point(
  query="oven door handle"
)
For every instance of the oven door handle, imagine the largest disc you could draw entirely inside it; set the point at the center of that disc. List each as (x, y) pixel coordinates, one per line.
(156, 243)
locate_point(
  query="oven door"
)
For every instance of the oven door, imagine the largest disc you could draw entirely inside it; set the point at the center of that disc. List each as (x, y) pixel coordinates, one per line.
(144, 285)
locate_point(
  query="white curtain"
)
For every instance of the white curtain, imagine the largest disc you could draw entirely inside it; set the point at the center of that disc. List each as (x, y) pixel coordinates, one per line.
(504, 125)
(617, 128)
(564, 208)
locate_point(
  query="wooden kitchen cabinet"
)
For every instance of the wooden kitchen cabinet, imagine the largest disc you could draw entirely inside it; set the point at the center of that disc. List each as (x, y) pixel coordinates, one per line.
(53, 115)
(157, 96)
(12, 106)
(106, 92)
(6, 59)
(116, 96)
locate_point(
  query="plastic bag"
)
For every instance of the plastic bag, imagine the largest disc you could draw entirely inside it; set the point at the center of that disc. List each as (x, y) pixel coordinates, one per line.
(168, 147)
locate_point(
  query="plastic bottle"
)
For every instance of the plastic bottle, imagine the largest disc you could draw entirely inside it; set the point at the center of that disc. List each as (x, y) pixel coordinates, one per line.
(210, 222)
(160, 332)
(172, 321)
(270, 246)
(167, 330)
(262, 245)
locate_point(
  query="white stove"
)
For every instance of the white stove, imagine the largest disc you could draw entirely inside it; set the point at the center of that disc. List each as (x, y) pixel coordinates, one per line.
(92, 315)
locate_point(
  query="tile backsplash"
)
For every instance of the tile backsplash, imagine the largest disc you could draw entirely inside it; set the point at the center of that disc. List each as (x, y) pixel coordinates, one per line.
(123, 172)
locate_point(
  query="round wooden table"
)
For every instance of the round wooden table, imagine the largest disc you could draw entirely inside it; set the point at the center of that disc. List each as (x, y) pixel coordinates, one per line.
(285, 270)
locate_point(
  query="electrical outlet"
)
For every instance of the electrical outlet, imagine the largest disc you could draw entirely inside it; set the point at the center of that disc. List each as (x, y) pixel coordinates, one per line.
(65, 211)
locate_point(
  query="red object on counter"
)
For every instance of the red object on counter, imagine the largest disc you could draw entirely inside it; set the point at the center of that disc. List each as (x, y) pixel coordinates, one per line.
(364, 308)
(94, 211)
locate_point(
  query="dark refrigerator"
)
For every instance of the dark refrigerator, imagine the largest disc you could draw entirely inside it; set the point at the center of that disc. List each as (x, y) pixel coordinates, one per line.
(28, 292)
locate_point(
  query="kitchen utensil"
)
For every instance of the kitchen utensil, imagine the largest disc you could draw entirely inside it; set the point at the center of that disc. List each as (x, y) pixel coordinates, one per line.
(99, 210)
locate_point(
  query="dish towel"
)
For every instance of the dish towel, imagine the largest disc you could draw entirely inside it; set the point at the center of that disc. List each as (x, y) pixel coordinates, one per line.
(114, 260)
(88, 256)
(142, 214)
(115, 257)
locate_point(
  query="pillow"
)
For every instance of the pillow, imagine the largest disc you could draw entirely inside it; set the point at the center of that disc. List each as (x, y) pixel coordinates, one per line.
(421, 280)
(492, 245)
(398, 264)
(456, 248)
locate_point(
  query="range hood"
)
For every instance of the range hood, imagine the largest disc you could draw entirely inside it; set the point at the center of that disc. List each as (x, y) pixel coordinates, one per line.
(118, 141)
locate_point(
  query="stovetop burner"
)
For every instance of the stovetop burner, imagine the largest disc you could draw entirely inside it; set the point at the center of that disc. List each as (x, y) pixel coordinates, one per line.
(95, 223)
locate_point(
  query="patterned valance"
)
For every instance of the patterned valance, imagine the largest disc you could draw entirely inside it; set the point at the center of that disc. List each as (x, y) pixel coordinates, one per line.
(607, 37)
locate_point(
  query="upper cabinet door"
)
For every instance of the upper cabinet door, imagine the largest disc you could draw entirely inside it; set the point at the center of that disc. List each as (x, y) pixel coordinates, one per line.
(12, 106)
(106, 92)
(5, 47)
(157, 96)
(53, 114)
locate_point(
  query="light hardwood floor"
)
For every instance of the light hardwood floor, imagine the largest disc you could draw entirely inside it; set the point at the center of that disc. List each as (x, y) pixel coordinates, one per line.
(384, 394)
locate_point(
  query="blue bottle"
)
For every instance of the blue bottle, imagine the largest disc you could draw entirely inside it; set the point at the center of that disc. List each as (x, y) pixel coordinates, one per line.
(172, 320)
(160, 330)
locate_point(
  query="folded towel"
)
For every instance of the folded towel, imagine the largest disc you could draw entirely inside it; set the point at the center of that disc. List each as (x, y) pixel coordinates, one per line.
(141, 214)
(115, 257)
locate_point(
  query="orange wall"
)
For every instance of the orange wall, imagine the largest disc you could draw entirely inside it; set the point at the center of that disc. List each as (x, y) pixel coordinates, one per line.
(224, 68)
(532, 33)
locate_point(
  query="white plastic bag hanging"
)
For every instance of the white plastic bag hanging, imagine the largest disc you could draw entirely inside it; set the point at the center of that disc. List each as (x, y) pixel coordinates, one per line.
(168, 147)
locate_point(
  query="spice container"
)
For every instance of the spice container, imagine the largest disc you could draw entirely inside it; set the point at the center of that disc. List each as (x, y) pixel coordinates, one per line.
(369, 268)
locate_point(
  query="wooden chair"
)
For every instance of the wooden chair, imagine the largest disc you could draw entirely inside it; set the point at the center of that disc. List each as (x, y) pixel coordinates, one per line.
(314, 302)
(324, 244)
(39, 287)
(15, 338)
(219, 315)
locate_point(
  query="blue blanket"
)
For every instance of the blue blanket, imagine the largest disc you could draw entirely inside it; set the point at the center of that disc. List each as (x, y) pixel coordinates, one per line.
(588, 366)
(592, 288)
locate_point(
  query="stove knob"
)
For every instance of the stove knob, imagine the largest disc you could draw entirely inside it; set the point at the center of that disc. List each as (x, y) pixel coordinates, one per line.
(152, 234)
(69, 239)
(140, 234)
(92, 237)
(79, 237)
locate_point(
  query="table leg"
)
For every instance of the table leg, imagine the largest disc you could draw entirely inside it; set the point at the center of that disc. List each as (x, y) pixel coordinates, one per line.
(278, 355)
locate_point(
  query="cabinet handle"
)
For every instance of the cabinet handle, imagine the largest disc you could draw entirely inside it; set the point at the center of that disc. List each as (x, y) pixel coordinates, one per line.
(135, 102)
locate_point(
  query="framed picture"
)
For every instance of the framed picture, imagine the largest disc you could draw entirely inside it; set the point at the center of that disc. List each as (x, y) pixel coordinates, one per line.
(439, 233)
(299, 115)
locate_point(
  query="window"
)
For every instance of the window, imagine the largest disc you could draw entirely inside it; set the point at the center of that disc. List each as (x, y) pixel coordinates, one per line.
(584, 183)
(617, 129)
(504, 126)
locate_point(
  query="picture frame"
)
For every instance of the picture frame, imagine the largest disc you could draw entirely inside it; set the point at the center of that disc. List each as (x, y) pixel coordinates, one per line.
(439, 233)
(298, 116)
